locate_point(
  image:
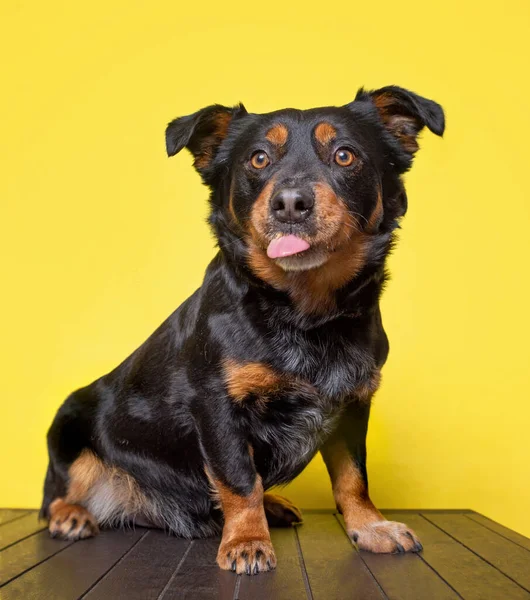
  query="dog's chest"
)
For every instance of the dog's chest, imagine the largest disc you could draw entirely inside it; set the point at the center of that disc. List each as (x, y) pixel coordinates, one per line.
(335, 362)
(321, 373)
(293, 400)
(288, 431)
(291, 424)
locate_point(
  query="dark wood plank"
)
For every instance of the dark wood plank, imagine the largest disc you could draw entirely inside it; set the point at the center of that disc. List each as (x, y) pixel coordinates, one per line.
(198, 576)
(20, 528)
(334, 568)
(406, 577)
(509, 558)
(145, 571)
(69, 574)
(467, 573)
(27, 553)
(286, 581)
(9, 514)
(519, 539)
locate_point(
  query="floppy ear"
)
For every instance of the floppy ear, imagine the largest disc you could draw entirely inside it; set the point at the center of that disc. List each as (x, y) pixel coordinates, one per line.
(201, 133)
(405, 114)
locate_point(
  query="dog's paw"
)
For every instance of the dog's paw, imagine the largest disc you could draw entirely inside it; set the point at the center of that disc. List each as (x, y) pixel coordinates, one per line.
(386, 537)
(280, 511)
(72, 522)
(250, 556)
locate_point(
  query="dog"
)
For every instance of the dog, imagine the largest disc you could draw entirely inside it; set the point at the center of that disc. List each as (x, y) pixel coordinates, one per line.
(274, 358)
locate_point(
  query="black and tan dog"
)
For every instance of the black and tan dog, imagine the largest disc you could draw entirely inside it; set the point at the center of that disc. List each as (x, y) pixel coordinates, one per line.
(274, 358)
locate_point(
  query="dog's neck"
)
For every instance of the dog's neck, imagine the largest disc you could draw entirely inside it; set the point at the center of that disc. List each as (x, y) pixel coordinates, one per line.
(358, 299)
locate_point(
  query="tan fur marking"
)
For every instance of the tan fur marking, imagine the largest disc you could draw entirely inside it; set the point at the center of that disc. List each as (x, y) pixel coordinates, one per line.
(260, 211)
(398, 125)
(243, 379)
(103, 488)
(349, 488)
(376, 216)
(246, 538)
(325, 133)
(250, 378)
(210, 142)
(84, 472)
(278, 134)
(231, 203)
(366, 391)
(383, 102)
(364, 523)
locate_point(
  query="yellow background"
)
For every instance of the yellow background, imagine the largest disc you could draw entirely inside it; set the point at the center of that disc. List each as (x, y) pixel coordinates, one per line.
(102, 236)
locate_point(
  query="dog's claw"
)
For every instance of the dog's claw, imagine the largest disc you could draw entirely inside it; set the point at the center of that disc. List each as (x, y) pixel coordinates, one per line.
(385, 537)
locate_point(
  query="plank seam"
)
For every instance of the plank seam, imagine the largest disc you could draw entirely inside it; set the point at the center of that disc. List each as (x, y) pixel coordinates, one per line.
(236, 588)
(497, 533)
(440, 576)
(361, 557)
(301, 561)
(35, 565)
(476, 554)
(95, 583)
(24, 514)
(177, 569)
(23, 538)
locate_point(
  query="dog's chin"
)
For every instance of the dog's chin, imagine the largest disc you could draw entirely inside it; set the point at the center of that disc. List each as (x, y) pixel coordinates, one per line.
(304, 261)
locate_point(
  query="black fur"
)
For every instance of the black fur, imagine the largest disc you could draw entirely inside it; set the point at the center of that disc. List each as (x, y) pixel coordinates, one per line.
(164, 413)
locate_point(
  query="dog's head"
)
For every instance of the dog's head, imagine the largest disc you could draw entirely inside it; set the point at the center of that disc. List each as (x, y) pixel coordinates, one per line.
(294, 190)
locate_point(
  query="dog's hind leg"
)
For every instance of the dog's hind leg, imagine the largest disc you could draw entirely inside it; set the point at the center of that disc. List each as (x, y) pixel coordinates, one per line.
(71, 521)
(97, 493)
(280, 511)
(66, 520)
(66, 484)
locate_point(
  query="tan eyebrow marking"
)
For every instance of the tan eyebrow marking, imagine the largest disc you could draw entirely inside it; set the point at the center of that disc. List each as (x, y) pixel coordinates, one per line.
(278, 134)
(325, 133)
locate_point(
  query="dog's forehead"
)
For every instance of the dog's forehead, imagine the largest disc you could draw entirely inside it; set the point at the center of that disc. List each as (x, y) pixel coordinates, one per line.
(294, 131)
(303, 121)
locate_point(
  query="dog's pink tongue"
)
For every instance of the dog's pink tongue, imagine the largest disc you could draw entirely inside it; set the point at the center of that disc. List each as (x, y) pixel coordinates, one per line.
(286, 245)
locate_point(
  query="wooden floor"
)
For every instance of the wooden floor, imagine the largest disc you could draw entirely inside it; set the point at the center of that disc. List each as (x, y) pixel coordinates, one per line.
(466, 556)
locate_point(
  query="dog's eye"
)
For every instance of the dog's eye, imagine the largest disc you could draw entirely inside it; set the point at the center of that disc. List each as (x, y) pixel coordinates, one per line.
(344, 157)
(260, 159)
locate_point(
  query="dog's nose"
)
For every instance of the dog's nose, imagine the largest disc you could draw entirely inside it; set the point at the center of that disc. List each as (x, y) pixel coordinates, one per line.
(292, 205)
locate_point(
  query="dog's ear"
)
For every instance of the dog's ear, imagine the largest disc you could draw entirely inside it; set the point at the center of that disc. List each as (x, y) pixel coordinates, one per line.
(201, 133)
(405, 114)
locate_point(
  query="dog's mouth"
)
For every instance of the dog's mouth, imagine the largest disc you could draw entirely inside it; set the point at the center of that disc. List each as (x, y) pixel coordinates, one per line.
(287, 245)
(294, 253)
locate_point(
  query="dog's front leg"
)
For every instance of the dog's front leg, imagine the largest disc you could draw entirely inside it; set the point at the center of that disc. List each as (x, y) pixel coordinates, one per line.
(345, 456)
(246, 544)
